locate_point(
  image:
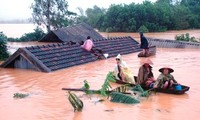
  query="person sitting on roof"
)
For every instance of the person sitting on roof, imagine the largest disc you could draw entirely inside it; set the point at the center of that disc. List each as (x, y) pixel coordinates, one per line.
(122, 72)
(145, 75)
(165, 79)
(90, 47)
(144, 44)
(88, 44)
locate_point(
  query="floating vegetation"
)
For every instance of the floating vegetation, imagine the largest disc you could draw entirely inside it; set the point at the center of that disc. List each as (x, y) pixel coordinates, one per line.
(123, 98)
(100, 100)
(86, 85)
(20, 95)
(106, 85)
(76, 103)
(143, 93)
(110, 77)
(138, 88)
(123, 88)
(109, 110)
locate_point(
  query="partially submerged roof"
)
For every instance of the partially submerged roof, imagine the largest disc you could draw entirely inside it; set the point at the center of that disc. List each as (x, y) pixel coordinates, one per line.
(73, 33)
(118, 45)
(51, 57)
(48, 58)
(164, 43)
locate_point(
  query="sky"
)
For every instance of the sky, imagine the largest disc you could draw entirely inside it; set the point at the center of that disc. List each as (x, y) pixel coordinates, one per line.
(20, 9)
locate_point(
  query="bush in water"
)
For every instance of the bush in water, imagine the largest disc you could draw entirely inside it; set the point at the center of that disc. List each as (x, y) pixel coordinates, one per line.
(33, 36)
(3, 48)
(186, 37)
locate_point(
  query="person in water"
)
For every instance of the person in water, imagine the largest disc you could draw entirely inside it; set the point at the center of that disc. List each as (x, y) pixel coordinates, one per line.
(165, 79)
(145, 75)
(122, 72)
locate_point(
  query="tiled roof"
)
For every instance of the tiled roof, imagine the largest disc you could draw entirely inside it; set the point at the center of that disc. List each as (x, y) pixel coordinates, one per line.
(164, 43)
(117, 45)
(51, 57)
(73, 33)
(58, 56)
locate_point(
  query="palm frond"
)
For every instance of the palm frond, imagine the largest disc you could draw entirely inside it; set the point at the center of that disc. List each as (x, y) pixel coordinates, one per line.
(123, 88)
(123, 98)
(106, 85)
(110, 77)
(138, 88)
(145, 93)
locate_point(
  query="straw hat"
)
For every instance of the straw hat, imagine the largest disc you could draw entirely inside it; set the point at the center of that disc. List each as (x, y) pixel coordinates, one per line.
(147, 61)
(162, 69)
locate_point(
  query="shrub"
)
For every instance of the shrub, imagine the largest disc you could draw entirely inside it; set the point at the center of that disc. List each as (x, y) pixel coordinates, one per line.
(186, 37)
(143, 29)
(33, 36)
(3, 48)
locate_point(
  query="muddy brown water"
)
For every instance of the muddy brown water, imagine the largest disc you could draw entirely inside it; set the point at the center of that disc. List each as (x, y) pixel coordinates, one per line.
(46, 100)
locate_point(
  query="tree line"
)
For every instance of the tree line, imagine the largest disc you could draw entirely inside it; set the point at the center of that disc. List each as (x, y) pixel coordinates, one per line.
(152, 17)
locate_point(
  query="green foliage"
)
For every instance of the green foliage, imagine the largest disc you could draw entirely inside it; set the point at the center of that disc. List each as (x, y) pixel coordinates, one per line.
(86, 85)
(186, 37)
(105, 87)
(143, 29)
(51, 13)
(123, 88)
(20, 95)
(145, 93)
(123, 98)
(142, 92)
(138, 88)
(3, 48)
(76, 103)
(110, 77)
(159, 16)
(33, 36)
(95, 16)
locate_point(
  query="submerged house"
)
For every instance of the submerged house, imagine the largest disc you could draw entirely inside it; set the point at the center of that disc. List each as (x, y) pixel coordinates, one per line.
(75, 33)
(51, 57)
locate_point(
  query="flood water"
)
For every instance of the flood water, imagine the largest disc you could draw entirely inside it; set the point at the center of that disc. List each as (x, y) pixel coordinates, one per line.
(48, 102)
(170, 35)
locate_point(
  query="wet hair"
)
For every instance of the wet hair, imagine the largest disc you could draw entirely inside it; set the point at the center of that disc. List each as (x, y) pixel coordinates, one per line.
(88, 37)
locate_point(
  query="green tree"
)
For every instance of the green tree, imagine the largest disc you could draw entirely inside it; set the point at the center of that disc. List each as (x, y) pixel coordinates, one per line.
(51, 13)
(194, 7)
(143, 29)
(81, 17)
(181, 17)
(3, 48)
(32, 36)
(95, 16)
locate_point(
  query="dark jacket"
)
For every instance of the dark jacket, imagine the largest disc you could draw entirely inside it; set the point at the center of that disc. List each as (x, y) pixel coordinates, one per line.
(143, 75)
(144, 42)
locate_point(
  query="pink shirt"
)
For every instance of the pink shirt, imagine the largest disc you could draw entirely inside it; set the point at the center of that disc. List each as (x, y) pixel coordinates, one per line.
(88, 44)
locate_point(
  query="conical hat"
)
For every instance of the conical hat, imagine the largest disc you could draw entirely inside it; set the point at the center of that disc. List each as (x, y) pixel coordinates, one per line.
(147, 61)
(162, 69)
